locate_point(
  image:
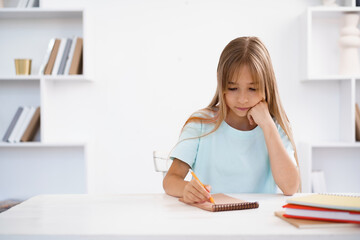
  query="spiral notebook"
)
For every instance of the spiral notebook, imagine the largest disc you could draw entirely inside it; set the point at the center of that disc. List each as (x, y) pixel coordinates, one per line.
(224, 202)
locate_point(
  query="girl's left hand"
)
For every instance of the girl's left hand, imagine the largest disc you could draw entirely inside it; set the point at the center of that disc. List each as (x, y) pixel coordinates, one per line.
(259, 114)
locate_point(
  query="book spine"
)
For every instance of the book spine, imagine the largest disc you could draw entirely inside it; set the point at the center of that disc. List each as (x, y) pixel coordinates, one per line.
(71, 55)
(76, 61)
(59, 56)
(64, 57)
(32, 128)
(12, 124)
(27, 120)
(17, 125)
(357, 122)
(50, 65)
(47, 56)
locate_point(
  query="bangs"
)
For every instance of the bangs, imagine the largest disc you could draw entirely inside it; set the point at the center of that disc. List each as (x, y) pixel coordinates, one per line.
(256, 74)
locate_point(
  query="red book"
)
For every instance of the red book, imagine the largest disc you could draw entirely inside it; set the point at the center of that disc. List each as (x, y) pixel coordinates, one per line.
(325, 214)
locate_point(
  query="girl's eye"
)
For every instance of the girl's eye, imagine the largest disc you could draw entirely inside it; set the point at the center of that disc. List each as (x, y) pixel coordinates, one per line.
(232, 89)
(252, 89)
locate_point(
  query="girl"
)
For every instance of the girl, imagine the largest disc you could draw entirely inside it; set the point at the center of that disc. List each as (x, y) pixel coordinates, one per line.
(242, 142)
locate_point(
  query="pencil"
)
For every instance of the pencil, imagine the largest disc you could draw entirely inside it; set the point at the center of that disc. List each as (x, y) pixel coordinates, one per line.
(193, 174)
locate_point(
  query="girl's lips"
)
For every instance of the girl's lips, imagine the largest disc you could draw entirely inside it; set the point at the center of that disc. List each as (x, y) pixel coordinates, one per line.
(242, 109)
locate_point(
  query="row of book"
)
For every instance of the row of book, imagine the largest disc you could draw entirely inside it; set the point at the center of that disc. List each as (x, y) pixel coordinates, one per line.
(63, 57)
(24, 125)
(322, 210)
(28, 3)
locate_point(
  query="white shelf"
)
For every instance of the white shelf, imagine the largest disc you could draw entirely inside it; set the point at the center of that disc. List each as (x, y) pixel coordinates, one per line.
(334, 11)
(334, 150)
(39, 13)
(20, 78)
(67, 78)
(335, 145)
(64, 78)
(60, 151)
(40, 145)
(330, 78)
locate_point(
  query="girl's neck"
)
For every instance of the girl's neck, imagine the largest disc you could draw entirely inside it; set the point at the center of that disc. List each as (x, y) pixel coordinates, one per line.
(239, 123)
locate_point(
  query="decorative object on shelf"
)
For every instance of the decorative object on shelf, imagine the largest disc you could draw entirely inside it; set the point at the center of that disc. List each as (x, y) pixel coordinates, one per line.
(350, 43)
(23, 66)
(329, 3)
(358, 3)
(1, 3)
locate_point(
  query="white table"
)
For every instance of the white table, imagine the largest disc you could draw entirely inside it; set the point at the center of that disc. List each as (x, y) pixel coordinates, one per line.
(151, 216)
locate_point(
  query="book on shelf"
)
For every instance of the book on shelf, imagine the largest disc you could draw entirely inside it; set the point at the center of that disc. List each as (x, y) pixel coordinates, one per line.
(32, 128)
(357, 122)
(63, 57)
(47, 56)
(24, 125)
(28, 115)
(22, 3)
(33, 3)
(12, 124)
(59, 56)
(28, 3)
(70, 56)
(15, 132)
(76, 60)
(50, 64)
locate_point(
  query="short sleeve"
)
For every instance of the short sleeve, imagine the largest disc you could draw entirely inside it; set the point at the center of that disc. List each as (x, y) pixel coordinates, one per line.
(187, 147)
(287, 144)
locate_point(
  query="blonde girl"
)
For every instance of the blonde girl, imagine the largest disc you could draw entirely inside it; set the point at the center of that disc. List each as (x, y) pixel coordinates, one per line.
(242, 142)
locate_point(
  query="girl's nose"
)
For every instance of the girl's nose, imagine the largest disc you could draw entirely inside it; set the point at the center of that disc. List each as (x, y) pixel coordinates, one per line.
(243, 98)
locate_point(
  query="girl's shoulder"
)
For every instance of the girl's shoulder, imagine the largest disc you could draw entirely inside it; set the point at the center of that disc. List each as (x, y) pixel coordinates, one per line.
(205, 113)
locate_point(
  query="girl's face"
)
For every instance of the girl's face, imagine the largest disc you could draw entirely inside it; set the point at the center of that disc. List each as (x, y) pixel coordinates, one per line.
(241, 94)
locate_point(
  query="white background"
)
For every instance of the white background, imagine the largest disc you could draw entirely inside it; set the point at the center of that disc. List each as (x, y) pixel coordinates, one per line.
(154, 63)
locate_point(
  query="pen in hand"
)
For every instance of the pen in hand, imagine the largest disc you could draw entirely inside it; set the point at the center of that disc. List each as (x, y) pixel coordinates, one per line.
(193, 174)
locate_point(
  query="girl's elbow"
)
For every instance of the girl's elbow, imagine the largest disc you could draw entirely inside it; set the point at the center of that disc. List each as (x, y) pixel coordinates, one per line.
(165, 184)
(291, 189)
(289, 192)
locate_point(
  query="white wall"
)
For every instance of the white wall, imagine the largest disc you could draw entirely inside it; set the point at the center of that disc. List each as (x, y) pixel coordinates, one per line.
(155, 63)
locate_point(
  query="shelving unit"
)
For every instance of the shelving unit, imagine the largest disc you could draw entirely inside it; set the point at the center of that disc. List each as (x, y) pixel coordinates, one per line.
(336, 152)
(53, 163)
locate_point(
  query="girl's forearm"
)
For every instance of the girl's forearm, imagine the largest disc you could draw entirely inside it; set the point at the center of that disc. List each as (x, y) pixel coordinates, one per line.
(285, 173)
(174, 185)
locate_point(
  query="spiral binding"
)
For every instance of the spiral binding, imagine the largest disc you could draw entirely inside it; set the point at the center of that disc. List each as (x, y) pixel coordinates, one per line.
(234, 206)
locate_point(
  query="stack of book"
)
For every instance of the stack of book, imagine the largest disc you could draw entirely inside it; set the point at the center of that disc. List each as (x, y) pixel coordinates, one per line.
(63, 57)
(321, 210)
(24, 125)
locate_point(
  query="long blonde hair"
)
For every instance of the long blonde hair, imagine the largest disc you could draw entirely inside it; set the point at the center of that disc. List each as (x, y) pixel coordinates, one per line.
(252, 52)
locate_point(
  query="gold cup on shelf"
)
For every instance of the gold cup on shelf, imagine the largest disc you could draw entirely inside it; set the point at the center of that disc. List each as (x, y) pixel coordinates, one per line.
(23, 66)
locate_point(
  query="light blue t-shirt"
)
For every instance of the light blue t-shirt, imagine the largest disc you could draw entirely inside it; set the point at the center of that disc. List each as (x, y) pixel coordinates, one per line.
(230, 160)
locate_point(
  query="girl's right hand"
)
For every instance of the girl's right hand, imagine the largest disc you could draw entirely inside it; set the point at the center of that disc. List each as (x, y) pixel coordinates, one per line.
(194, 192)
